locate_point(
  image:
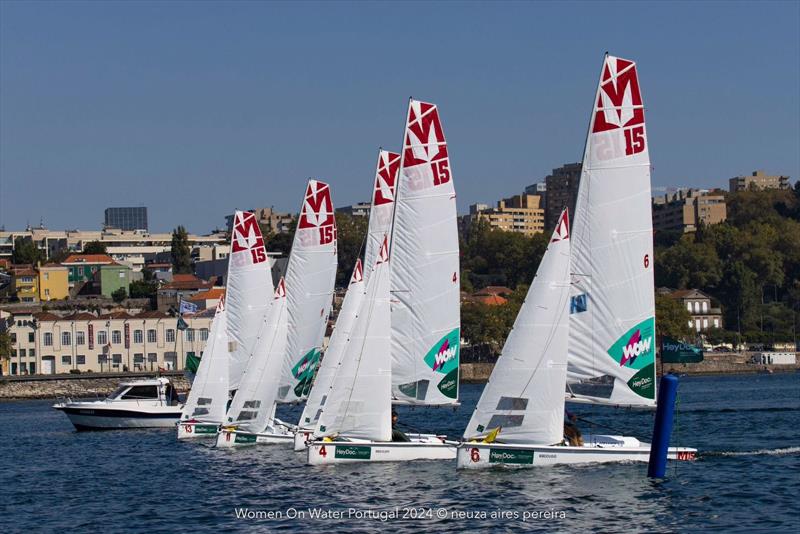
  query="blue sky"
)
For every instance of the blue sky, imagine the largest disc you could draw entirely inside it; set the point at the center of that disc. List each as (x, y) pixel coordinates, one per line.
(196, 109)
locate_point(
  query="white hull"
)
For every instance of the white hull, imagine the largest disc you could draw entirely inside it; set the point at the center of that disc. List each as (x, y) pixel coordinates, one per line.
(424, 447)
(301, 437)
(197, 430)
(597, 449)
(108, 416)
(228, 439)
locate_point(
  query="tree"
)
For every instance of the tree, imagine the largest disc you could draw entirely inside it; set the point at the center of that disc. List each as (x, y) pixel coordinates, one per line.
(26, 251)
(180, 251)
(672, 319)
(351, 233)
(119, 295)
(5, 345)
(95, 247)
(143, 289)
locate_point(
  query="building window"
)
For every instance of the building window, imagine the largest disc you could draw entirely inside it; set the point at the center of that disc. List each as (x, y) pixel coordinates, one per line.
(48, 339)
(152, 357)
(716, 323)
(80, 338)
(705, 306)
(66, 339)
(22, 353)
(30, 338)
(138, 358)
(705, 323)
(697, 324)
(116, 359)
(151, 336)
(170, 335)
(32, 367)
(204, 334)
(47, 292)
(102, 358)
(189, 334)
(66, 360)
(116, 337)
(137, 336)
(80, 359)
(102, 337)
(696, 307)
(32, 353)
(689, 306)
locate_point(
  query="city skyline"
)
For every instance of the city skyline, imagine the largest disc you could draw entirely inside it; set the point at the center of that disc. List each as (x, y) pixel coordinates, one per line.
(214, 120)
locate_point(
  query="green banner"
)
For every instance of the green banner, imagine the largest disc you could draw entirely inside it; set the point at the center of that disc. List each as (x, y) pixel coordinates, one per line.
(192, 363)
(677, 352)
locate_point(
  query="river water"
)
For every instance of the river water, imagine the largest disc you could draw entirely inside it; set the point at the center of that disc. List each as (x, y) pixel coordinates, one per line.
(746, 479)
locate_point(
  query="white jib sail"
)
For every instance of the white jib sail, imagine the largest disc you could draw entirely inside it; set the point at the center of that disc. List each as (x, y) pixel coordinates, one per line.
(525, 393)
(425, 267)
(253, 404)
(359, 401)
(380, 215)
(310, 276)
(612, 322)
(208, 398)
(248, 292)
(332, 361)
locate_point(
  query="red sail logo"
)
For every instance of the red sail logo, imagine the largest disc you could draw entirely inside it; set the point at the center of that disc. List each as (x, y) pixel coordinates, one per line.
(358, 273)
(317, 211)
(386, 178)
(247, 236)
(383, 254)
(280, 290)
(619, 104)
(562, 228)
(424, 143)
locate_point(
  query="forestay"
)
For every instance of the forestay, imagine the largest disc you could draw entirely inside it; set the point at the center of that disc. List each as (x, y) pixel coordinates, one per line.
(359, 401)
(208, 398)
(310, 276)
(248, 293)
(525, 393)
(424, 278)
(612, 323)
(252, 406)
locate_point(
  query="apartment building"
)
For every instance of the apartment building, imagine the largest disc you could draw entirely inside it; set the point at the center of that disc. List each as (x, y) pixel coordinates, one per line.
(758, 180)
(685, 209)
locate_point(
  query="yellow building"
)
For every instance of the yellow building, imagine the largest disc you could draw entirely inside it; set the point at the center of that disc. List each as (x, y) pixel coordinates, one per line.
(53, 282)
(520, 213)
(25, 283)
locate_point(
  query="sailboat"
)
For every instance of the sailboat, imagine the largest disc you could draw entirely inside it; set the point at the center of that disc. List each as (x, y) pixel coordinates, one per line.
(251, 416)
(207, 401)
(355, 424)
(422, 314)
(310, 277)
(274, 371)
(247, 296)
(379, 224)
(588, 321)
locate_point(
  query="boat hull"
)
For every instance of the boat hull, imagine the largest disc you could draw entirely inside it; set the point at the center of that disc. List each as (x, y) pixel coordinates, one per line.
(489, 455)
(229, 439)
(197, 430)
(343, 452)
(89, 417)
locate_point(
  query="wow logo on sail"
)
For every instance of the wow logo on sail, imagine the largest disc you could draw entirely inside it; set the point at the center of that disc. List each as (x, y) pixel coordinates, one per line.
(635, 349)
(443, 358)
(304, 372)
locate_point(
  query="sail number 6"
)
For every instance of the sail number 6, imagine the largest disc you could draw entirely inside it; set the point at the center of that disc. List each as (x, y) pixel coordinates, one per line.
(646, 261)
(475, 454)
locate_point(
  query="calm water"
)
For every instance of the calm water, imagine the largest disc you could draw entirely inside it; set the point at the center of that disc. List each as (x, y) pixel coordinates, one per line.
(747, 478)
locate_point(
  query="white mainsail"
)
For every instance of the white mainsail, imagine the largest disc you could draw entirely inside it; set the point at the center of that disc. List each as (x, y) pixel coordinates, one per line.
(310, 276)
(425, 266)
(612, 321)
(525, 393)
(359, 401)
(254, 402)
(332, 361)
(248, 292)
(208, 398)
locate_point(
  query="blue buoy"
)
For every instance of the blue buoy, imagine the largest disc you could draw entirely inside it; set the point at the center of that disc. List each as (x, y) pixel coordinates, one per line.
(662, 429)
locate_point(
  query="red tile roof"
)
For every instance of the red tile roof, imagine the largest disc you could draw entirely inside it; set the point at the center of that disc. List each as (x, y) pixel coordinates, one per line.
(187, 281)
(46, 316)
(73, 259)
(211, 294)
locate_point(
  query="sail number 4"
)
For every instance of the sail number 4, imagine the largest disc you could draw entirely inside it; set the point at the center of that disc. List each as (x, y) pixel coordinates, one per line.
(323, 451)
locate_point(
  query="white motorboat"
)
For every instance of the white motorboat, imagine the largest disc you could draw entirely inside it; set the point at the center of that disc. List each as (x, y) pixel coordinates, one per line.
(151, 403)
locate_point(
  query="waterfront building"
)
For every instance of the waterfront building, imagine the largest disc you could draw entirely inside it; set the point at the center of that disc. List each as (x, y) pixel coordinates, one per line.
(698, 304)
(562, 191)
(53, 282)
(685, 209)
(520, 213)
(46, 343)
(126, 218)
(758, 180)
(182, 287)
(113, 277)
(24, 283)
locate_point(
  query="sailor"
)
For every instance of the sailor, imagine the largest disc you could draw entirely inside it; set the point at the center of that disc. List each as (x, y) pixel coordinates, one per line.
(397, 435)
(572, 433)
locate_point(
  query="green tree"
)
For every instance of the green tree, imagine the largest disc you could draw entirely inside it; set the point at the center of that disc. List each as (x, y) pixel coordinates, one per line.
(5, 345)
(141, 289)
(181, 253)
(119, 295)
(26, 251)
(672, 319)
(95, 247)
(351, 234)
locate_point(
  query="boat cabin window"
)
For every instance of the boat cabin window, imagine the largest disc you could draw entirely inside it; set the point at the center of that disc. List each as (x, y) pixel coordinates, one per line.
(142, 392)
(117, 392)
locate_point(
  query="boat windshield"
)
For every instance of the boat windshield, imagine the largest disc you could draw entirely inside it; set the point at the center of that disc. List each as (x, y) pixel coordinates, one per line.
(118, 392)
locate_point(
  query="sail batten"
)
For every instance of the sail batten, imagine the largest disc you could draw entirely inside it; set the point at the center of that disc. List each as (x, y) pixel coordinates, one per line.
(612, 307)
